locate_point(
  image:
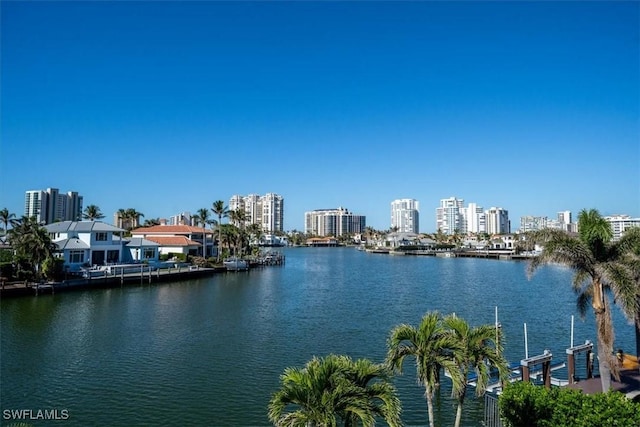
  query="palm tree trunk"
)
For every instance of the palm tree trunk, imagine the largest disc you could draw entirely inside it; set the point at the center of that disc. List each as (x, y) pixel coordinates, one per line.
(458, 415)
(637, 327)
(429, 396)
(605, 349)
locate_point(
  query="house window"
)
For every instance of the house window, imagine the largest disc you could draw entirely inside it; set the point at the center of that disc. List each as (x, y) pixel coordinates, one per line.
(101, 237)
(148, 253)
(76, 257)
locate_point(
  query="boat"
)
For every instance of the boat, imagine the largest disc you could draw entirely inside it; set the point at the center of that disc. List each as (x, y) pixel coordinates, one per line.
(235, 264)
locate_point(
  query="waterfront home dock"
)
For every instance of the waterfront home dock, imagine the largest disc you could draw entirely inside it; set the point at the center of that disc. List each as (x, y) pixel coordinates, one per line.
(108, 281)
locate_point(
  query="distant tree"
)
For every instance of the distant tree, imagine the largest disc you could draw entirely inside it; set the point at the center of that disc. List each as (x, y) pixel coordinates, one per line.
(31, 243)
(5, 218)
(151, 222)
(92, 213)
(221, 211)
(133, 218)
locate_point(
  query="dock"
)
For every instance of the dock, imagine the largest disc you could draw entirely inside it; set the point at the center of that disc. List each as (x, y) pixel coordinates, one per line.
(108, 281)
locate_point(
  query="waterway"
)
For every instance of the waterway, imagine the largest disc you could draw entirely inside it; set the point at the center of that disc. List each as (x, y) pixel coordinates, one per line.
(210, 351)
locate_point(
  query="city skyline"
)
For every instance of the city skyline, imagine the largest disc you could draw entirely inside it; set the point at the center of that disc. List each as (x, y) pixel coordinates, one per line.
(167, 107)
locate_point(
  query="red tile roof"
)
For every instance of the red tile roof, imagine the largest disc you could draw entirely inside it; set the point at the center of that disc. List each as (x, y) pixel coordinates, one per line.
(170, 229)
(172, 241)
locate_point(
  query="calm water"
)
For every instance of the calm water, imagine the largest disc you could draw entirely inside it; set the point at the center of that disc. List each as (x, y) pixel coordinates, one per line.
(210, 351)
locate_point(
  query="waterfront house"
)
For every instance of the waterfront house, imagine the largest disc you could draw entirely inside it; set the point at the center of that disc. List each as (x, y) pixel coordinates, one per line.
(138, 249)
(182, 239)
(86, 242)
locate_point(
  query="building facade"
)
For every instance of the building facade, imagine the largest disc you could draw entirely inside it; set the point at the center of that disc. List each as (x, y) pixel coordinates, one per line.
(333, 222)
(449, 215)
(267, 211)
(49, 206)
(620, 223)
(474, 219)
(498, 221)
(405, 215)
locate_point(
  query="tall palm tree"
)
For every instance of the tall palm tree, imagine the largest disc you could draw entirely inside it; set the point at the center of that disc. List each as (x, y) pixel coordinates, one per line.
(628, 272)
(133, 218)
(92, 212)
(597, 263)
(31, 242)
(122, 216)
(431, 346)
(202, 217)
(221, 211)
(5, 218)
(332, 389)
(478, 351)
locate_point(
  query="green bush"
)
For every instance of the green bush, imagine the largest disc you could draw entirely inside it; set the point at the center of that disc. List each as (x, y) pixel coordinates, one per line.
(7, 270)
(523, 404)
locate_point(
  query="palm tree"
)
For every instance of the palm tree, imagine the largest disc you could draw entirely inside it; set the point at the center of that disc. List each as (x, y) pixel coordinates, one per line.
(478, 351)
(92, 212)
(221, 211)
(202, 217)
(598, 266)
(31, 242)
(133, 218)
(151, 222)
(628, 271)
(122, 215)
(332, 389)
(431, 346)
(5, 217)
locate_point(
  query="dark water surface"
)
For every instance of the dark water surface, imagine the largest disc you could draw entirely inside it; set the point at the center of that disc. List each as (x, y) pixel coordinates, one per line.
(210, 351)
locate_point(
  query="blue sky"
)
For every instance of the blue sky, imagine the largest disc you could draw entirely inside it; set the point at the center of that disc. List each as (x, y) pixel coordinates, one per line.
(166, 107)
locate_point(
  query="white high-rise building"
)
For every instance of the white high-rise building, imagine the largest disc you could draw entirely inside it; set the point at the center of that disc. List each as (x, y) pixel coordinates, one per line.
(333, 222)
(49, 206)
(621, 223)
(449, 215)
(498, 221)
(266, 211)
(474, 219)
(405, 215)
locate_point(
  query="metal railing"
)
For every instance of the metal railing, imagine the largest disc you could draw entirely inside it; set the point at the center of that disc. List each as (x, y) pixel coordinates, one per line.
(491, 411)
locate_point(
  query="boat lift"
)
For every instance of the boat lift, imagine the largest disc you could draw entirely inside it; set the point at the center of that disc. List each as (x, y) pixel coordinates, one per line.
(586, 348)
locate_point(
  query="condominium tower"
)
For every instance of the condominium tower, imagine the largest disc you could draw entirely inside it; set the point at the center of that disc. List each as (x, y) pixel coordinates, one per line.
(49, 206)
(405, 215)
(449, 215)
(333, 222)
(266, 211)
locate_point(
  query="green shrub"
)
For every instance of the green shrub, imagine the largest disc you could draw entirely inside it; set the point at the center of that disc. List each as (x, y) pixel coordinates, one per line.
(523, 404)
(7, 270)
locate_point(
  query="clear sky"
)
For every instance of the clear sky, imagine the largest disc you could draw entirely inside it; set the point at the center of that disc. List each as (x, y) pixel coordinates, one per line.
(165, 107)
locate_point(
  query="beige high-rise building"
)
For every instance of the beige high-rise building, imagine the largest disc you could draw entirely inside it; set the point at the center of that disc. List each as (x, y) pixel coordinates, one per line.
(266, 211)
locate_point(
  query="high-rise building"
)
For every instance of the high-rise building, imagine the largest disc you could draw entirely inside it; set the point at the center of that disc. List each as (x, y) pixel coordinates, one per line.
(621, 223)
(49, 206)
(333, 222)
(449, 215)
(474, 219)
(266, 211)
(498, 221)
(564, 217)
(532, 223)
(405, 215)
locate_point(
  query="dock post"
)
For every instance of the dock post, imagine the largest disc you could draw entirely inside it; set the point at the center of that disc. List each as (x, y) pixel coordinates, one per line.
(546, 373)
(525, 373)
(571, 367)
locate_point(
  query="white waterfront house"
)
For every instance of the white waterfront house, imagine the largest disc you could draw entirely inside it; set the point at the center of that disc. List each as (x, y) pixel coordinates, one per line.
(89, 243)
